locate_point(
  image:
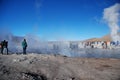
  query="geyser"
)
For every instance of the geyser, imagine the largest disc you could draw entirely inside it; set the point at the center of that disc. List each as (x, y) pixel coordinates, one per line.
(67, 48)
(112, 16)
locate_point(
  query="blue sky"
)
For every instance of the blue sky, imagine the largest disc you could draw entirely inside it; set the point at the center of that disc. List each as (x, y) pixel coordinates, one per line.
(55, 19)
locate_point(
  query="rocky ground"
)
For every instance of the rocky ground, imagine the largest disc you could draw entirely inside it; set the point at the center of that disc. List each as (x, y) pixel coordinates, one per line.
(56, 67)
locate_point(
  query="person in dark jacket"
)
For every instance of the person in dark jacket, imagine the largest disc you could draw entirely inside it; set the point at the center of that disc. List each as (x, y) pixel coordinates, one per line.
(1, 47)
(4, 45)
(24, 45)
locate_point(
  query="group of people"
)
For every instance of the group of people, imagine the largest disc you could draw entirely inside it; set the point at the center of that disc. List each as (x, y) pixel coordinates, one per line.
(102, 44)
(4, 46)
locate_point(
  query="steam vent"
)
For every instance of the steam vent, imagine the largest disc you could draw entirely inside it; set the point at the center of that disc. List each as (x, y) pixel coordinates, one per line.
(59, 39)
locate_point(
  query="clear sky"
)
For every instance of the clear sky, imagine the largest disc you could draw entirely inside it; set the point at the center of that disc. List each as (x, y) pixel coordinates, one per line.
(55, 19)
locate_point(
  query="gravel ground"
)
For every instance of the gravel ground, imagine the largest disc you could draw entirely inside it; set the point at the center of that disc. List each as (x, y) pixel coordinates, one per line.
(57, 67)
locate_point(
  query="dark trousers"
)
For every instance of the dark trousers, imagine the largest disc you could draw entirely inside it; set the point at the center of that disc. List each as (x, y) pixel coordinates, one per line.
(3, 49)
(24, 50)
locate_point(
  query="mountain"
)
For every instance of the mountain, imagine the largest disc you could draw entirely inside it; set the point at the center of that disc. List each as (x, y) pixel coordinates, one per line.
(104, 38)
(17, 39)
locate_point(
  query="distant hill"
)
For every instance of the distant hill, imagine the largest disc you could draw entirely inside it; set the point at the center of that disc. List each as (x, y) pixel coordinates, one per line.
(104, 38)
(17, 39)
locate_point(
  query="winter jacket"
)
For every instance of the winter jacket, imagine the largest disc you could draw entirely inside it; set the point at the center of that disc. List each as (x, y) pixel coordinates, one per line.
(24, 44)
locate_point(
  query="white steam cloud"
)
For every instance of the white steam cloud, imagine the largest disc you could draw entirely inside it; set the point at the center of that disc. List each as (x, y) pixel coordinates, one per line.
(71, 49)
(112, 16)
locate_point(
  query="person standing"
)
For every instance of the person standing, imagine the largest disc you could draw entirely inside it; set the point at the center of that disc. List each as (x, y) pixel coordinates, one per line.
(1, 47)
(24, 45)
(4, 44)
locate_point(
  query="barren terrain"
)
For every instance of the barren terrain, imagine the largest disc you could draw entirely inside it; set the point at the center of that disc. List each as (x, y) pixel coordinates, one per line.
(56, 67)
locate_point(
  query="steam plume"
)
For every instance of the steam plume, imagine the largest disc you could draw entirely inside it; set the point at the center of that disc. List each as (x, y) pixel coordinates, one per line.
(111, 15)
